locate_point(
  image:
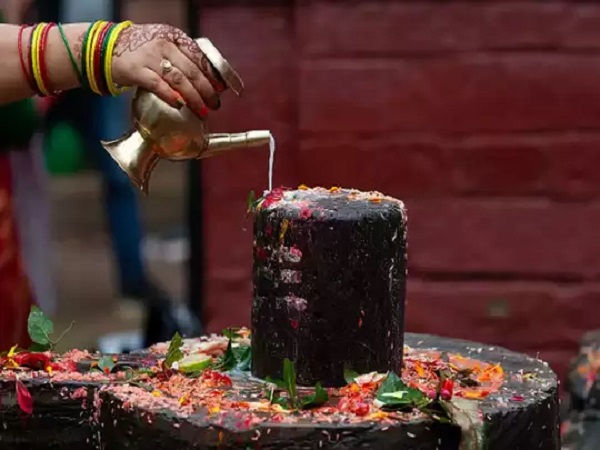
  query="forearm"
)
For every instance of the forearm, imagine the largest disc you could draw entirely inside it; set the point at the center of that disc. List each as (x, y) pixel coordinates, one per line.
(62, 76)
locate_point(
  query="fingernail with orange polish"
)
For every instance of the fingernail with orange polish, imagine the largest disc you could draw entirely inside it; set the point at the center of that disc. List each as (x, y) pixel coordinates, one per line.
(179, 100)
(203, 112)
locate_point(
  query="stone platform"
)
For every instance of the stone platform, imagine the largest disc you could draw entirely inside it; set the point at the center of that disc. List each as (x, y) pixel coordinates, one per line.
(453, 395)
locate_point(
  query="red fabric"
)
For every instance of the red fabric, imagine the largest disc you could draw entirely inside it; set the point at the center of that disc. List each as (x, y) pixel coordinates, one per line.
(15, 294)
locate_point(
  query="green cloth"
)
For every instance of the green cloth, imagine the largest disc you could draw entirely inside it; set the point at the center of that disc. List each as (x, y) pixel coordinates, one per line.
(18, 120)
(63, 147)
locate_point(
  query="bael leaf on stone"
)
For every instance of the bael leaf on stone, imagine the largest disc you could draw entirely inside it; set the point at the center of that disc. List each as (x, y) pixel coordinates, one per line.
(243, 357)
(350, 375)
(279, 383)
(319, 398)
(289, 377)
(174, 354)
(228, 360)
(275, 398)
(231, 333)
(395, 394)
(250, 200)
(39, 327)
(37, 348)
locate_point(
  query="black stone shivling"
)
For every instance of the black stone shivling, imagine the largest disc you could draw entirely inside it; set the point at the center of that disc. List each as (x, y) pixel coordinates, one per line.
(329, 283)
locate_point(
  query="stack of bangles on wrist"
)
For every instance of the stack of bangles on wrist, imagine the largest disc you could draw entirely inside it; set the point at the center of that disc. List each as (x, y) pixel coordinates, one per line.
(96, 57)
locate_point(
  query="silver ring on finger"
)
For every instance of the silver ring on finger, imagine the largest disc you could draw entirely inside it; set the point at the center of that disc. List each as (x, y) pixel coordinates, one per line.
(166, 66)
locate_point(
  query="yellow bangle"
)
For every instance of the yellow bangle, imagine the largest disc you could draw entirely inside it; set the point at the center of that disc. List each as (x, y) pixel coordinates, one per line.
(113, 89)
(91, 45)
(35, 58)
(34, 33)
(90, 37)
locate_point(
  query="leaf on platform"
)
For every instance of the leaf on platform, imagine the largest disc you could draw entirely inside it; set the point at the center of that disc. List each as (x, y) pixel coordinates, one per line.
(174, 353)
(319, 398)
(289, 377)
(350, 375)
(395, 394)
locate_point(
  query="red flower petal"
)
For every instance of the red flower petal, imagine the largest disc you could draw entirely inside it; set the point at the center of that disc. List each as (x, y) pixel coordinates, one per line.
(35, 361)
(24, 398)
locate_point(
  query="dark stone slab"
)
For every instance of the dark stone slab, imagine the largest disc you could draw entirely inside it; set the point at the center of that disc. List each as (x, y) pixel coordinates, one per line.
(329, 284)
(59, 421)
(521, 415)
(130, 429)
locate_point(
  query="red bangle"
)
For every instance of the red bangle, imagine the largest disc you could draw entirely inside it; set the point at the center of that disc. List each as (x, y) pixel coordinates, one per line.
(43, 65)
(98, 69)
(26, 73)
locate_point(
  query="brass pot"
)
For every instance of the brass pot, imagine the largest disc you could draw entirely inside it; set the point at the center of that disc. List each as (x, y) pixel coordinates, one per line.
(163, 132)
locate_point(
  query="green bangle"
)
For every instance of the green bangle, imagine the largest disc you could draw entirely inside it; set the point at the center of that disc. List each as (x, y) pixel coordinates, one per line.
(71, 57)
(84, 75)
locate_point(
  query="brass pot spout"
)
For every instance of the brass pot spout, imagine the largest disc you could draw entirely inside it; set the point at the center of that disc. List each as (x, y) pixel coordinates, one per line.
(222, 142)
(163, 132)
(138, 157)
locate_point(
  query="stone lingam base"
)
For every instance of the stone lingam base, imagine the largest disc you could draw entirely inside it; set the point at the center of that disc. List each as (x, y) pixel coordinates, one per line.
(467, 396)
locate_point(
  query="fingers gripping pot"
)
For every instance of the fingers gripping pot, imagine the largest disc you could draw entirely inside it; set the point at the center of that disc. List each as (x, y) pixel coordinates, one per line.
(161, 131)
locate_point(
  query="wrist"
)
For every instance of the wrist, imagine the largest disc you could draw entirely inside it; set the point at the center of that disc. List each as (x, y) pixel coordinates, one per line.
(65, 73)
(43, 52)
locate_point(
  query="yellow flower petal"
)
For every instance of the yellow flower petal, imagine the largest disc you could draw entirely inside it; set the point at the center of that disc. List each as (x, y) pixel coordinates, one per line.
(13, 350)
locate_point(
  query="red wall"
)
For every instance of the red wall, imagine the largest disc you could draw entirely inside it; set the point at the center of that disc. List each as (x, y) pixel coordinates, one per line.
(484, 118)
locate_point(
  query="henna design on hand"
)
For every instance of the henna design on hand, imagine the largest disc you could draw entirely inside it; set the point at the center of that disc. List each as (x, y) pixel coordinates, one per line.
(78, 47)
(136, 36)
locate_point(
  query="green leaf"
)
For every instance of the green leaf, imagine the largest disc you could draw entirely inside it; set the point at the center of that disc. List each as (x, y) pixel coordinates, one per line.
(39, 348)
(350, 375)
(106, 364)
(279, 383)
(239, 358)
(232, 333)
(289, 378)
(243, 357)
(320, 397)
(39, 327)
(250, 201)
(275, 397)
(174, 353)
(395, 394)
(228, 360)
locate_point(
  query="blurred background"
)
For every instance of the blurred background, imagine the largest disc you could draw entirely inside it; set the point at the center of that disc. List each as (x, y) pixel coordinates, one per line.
(483, 117)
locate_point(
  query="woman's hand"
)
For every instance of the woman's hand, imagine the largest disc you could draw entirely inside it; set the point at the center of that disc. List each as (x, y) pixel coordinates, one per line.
(164, 60)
